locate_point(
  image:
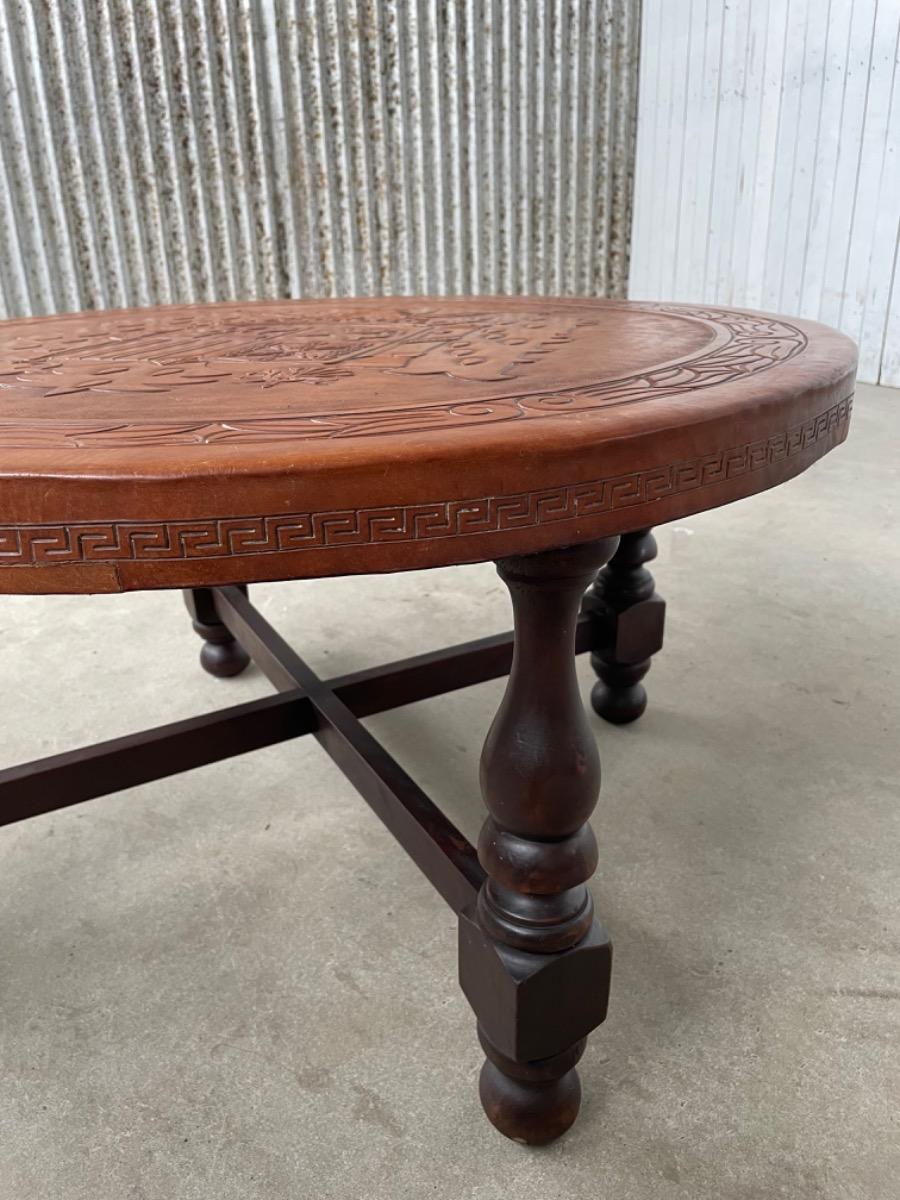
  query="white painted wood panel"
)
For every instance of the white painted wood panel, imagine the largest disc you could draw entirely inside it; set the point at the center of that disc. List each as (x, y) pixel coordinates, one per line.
(768, 163)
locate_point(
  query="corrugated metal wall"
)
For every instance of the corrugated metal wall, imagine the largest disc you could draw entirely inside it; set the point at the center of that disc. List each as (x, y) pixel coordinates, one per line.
(768, 163)
(160, 151)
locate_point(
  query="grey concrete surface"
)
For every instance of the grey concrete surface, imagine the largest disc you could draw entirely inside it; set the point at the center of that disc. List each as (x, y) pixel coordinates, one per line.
(232, 985)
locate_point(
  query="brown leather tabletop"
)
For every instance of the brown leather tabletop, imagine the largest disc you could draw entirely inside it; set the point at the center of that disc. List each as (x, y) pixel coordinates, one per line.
(234, 442)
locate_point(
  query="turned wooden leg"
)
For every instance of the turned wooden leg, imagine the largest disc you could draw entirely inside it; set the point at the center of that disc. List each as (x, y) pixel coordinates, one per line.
(630, 618)
(533, 961)
(221, 655)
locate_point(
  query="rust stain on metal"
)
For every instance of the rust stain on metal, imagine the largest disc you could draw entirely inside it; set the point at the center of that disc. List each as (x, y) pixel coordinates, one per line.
(163, 152)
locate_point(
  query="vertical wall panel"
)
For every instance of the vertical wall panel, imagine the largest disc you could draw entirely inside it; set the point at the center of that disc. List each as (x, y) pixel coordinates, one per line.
(161, 152)
(768, 164)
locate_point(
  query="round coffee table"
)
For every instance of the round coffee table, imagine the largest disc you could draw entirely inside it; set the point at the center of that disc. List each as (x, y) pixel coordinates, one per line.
(208, 447)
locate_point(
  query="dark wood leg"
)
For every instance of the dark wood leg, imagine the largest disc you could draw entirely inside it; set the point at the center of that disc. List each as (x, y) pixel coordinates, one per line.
(631, 617)
(533, 961)
(221, 654)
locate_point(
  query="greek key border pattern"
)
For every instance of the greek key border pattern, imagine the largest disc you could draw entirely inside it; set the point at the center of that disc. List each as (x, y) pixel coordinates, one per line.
(225, 537)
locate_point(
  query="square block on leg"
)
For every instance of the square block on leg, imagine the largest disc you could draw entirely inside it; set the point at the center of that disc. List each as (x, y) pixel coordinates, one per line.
(532, 1006)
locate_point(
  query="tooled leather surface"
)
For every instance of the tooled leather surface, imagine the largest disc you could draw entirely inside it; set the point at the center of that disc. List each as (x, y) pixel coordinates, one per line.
(159, 541)
(302, 368)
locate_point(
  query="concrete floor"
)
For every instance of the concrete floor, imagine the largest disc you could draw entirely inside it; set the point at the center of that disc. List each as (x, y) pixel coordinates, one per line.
(231, 984)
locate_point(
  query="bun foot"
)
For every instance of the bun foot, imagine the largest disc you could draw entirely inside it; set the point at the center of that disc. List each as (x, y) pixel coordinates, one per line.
(620, 697)
(223, 659)
(530, 1113)
(532, 1103)
(221, 655)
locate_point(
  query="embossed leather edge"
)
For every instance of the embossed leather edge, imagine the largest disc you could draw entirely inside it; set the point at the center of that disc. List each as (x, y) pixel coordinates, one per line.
(111, 542)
